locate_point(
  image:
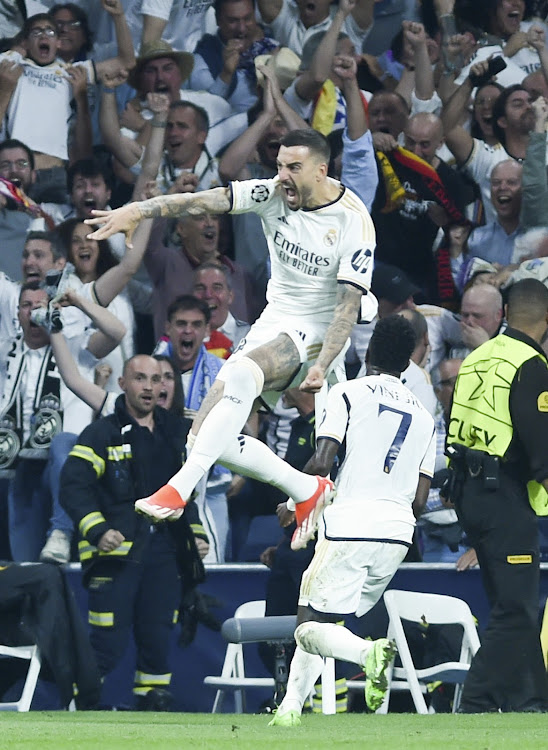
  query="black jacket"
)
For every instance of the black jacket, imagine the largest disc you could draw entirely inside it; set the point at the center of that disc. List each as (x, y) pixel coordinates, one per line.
(109, 468)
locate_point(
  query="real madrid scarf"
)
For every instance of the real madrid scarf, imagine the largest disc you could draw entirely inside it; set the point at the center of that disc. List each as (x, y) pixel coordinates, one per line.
(47, 416)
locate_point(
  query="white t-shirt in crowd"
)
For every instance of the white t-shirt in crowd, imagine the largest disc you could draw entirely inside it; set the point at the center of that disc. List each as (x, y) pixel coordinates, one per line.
(40, 107)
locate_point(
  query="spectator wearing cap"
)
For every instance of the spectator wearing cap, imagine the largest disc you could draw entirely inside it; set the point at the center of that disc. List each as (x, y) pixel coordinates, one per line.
(224, 62)
(163, 70)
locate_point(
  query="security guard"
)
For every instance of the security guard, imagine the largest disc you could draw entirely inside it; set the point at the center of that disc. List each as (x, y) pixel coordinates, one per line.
(497, 438)
(129, 567)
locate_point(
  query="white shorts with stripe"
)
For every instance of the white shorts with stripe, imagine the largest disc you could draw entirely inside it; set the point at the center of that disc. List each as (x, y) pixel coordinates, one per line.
(307, 335)
(349, 577)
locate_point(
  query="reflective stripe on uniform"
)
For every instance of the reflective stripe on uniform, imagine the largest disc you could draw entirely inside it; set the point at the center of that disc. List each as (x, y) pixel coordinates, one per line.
(142, 679)
(101, 619)
(119, 452)
(88, 454)
(89, 521)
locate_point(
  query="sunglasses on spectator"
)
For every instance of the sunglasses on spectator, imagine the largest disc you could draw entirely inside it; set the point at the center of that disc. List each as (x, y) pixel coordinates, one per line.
(68, 25)
(19, 163)
(41, 31)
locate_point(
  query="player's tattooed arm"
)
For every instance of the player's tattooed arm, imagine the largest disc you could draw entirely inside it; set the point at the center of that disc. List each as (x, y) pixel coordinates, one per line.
(214, 201)
(345, 316)
(126, 218)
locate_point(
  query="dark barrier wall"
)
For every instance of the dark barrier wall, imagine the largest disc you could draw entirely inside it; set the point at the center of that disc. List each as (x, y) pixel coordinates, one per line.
(235, 584)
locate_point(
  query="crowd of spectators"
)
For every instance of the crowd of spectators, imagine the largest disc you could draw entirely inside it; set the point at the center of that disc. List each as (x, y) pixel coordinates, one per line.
(436, 112)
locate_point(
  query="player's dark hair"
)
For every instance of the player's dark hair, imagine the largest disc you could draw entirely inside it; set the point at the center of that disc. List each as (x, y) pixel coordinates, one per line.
(186, 302)
(499, 110)
(15, 143)
(315, 142)
(392, 344)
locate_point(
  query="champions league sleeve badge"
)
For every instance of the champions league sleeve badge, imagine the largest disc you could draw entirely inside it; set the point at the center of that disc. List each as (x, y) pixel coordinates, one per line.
(10, 442)
(260, 193)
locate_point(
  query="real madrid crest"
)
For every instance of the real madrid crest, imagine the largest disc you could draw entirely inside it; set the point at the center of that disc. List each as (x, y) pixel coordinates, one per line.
(330, 238)
(10, 442)
(46, 423)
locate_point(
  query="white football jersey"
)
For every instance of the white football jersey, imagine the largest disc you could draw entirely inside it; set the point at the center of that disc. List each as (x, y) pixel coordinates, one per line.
(310, 249)
(390, 441)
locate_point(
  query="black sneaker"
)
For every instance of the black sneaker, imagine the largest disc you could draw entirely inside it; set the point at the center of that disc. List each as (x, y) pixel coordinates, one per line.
(156, 699)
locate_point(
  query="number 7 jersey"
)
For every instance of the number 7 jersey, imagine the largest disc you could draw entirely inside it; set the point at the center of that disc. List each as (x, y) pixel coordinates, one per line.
(390, 442)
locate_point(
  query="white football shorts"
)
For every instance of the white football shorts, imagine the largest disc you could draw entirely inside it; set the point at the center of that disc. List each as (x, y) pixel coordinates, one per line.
(349, 577)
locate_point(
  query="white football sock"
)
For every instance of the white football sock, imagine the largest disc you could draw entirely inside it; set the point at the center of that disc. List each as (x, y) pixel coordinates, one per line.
(328, 639)
(303, 674)
(243, 383)
(248, 456)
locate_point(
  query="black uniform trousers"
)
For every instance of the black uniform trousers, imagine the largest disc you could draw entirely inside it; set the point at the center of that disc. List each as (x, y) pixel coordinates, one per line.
(508, 671)
(141, 595)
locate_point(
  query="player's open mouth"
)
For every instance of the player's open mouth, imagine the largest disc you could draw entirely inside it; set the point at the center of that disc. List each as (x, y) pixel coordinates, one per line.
(187, 345)
(84, 256)
(15, 181)
(162, 398)
(147, 398)
(32, 276)
(210, 234)
(161, 88)
(90, 203)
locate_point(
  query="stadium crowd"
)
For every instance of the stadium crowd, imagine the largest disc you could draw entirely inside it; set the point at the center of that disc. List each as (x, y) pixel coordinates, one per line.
(436, 112)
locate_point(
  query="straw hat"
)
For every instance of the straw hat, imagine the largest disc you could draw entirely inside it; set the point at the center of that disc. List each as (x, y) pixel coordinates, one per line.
(286, 65)
(154, 50)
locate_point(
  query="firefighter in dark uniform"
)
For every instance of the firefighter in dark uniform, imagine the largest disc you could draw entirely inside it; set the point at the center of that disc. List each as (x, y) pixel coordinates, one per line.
(497, 443)
(130, 568)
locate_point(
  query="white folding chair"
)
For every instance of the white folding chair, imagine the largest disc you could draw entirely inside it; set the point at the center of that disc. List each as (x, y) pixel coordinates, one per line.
(33, 655)
(434, 609)
(232, 675)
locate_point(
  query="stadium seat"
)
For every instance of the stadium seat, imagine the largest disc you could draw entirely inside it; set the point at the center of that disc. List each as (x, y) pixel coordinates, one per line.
(33, 655)
(249, 625)
(433, 609)
(232, 675)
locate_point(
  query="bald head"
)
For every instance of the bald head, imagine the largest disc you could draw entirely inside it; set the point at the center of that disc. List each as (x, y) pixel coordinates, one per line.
(424, 135)
(481, 305)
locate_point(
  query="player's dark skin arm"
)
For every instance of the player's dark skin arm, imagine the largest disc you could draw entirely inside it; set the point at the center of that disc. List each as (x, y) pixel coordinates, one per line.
(421, 495)
(322, 461)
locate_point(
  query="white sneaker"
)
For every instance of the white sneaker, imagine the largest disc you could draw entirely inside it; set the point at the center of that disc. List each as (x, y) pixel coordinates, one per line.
(57, 548)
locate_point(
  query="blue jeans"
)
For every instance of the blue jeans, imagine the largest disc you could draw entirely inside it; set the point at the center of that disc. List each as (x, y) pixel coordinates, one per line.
(33, 501)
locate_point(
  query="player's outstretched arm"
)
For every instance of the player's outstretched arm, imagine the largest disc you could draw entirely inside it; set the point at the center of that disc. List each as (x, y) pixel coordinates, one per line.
(126, 218)
(345, 316)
